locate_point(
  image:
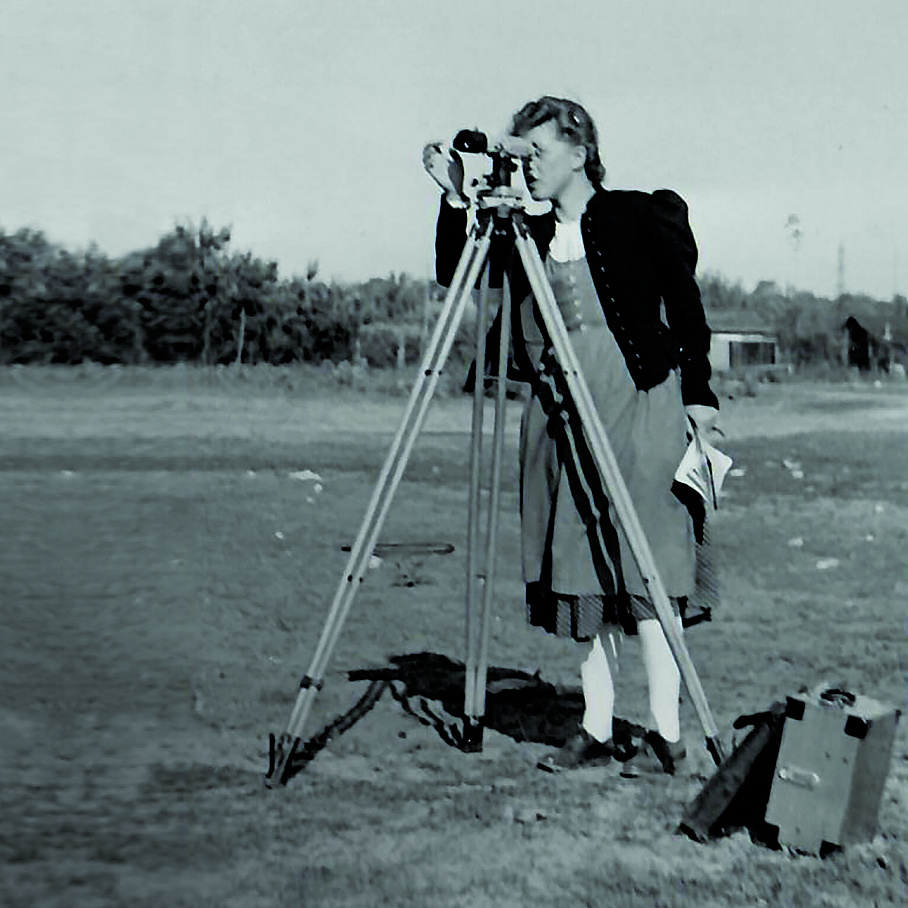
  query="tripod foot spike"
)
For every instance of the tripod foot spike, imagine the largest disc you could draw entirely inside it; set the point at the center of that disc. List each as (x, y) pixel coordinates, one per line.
(472, 736)
(280, 755)
(714, 746)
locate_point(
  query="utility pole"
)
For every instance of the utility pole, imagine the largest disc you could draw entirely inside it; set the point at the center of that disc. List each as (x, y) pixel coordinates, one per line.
(840, 271)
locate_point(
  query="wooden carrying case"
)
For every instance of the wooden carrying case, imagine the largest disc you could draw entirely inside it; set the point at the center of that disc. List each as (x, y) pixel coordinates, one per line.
(832, 766)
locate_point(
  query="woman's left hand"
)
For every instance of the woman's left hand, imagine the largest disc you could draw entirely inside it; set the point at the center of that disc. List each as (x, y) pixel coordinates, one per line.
(706, 419)
(445, 166)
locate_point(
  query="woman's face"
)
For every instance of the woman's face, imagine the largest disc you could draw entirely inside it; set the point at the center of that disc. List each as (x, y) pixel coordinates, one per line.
(553, 164)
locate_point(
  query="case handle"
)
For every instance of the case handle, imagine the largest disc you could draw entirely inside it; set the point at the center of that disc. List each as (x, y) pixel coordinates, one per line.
(838, 697)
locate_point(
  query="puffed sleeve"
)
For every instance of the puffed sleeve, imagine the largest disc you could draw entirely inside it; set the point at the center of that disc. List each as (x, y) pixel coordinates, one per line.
(676, 258)
(450, 239)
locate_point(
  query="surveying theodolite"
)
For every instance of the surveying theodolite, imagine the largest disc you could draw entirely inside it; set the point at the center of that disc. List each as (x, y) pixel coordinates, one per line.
(570, 393)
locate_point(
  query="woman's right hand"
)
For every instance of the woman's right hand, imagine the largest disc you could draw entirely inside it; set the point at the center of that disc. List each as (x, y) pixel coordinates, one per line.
(445, 166)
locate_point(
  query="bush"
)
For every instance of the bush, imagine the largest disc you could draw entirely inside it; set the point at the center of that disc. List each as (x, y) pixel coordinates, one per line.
(380, 345)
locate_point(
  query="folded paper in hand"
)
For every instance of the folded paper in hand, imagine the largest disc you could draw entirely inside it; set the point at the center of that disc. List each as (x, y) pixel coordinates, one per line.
(703, 468)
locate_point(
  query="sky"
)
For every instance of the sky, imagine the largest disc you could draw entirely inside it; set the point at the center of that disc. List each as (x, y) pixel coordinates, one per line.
(300, 124)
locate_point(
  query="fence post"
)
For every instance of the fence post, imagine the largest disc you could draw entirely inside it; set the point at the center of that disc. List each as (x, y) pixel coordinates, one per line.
(401, 350)
(242, 338)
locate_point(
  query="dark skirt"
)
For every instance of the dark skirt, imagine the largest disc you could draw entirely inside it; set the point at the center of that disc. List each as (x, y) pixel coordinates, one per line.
(577, 562)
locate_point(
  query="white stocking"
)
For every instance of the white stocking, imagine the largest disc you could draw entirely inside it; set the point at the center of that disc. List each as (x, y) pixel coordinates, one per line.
(599, 689)
(663, 678)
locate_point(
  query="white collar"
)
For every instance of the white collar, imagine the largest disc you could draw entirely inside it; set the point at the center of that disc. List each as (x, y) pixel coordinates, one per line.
(567, 244)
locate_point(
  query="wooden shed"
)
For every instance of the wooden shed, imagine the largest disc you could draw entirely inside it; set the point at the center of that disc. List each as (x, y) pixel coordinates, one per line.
(740, 340)
(876, 342)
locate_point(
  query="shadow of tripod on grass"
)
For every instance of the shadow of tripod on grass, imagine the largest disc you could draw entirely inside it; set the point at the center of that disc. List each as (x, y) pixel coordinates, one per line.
(430, 687)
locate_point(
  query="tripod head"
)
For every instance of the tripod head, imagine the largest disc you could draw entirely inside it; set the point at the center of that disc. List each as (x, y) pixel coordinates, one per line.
(506, 155)
(495, 187)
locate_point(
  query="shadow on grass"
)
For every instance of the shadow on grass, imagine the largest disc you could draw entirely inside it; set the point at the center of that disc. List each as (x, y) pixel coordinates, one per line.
(430, 687)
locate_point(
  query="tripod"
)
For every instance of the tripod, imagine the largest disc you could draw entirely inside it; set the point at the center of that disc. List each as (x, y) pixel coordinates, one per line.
(571, 392)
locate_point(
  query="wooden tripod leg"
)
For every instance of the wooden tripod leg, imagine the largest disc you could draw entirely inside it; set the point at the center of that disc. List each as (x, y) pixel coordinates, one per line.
(474, 510)
(468, 269)
(578, 393)
(475, 717)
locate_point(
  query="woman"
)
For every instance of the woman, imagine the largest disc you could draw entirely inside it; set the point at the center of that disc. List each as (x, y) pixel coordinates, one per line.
(614, 260)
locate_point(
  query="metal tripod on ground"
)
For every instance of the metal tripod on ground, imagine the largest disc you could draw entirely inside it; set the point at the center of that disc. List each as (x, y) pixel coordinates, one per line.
(573, 396)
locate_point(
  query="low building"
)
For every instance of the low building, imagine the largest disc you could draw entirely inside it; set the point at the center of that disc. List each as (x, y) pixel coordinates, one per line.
(740, 340)
(875, 343)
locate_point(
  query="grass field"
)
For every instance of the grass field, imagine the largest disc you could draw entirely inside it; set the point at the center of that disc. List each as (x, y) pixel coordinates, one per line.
(164, 578)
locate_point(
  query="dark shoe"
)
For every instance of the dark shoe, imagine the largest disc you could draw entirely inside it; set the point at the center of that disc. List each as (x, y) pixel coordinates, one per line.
(658, 756)
(580, 751)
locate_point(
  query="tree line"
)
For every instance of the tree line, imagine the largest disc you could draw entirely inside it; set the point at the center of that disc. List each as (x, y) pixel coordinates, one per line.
(809, 329)
(190, 298)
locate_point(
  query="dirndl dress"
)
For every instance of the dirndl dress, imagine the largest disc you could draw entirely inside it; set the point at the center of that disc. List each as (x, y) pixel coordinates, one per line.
(578, 567)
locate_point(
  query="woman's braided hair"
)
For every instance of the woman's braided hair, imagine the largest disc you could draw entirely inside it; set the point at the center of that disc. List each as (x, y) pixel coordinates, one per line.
(573, 123)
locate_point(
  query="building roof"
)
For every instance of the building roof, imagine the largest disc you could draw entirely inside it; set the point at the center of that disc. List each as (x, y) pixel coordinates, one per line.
(738, 321)
(879, 324)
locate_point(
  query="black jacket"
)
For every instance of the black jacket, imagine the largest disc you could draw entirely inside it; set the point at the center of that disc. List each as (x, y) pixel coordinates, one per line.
(641, 253)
